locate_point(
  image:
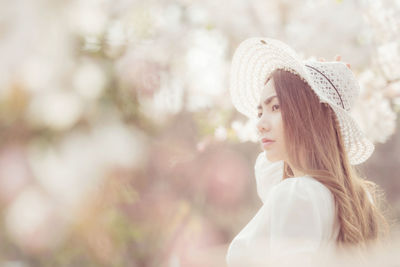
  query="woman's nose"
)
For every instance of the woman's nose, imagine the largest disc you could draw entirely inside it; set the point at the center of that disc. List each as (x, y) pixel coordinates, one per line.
(263, 125)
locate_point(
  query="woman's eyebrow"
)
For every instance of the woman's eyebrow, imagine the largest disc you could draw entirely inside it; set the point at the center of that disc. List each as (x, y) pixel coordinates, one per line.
(267, 101)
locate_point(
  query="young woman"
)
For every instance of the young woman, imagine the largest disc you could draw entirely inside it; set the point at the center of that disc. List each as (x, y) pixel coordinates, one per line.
(314, 199)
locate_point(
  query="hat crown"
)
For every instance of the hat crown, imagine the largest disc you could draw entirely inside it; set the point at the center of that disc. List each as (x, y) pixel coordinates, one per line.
(335, 81)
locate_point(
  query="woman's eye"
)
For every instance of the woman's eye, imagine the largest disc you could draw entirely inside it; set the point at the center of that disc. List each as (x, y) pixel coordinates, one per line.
(274, 106)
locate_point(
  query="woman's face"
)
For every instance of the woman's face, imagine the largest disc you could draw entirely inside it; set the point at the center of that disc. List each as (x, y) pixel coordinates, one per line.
(270, 123)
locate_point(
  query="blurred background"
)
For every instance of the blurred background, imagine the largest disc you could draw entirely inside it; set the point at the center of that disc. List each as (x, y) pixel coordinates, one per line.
(119, 143)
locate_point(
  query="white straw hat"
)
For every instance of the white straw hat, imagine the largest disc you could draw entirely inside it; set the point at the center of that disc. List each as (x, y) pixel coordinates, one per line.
(333, 82)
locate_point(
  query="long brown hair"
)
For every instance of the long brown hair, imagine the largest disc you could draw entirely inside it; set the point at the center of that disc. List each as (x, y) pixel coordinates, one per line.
(315, 146)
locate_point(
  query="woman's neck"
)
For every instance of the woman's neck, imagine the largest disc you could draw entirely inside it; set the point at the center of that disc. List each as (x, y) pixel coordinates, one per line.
(296, 173)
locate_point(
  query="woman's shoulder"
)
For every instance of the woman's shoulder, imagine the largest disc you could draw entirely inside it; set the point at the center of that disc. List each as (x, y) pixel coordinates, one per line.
(304, 188)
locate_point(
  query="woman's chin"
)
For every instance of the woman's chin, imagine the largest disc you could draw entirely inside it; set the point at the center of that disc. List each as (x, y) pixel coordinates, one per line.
(270, 157)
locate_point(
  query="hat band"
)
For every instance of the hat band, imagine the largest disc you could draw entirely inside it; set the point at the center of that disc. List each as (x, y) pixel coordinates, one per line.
(328, 81)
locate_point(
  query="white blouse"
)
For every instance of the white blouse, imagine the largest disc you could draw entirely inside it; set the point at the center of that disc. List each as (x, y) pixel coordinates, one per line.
(297, 218)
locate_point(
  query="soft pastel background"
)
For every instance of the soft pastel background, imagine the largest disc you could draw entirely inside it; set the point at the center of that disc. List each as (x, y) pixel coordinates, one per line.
(119, 143)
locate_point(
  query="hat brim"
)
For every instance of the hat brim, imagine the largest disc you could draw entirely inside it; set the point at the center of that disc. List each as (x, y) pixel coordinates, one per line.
(253, 61)
(358, 147)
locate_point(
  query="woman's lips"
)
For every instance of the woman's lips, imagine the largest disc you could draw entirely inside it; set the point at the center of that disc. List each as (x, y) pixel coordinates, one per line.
(267, 142)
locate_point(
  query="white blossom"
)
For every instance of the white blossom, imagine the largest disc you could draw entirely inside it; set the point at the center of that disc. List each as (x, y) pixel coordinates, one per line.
(245, 131)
